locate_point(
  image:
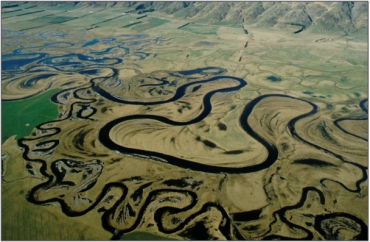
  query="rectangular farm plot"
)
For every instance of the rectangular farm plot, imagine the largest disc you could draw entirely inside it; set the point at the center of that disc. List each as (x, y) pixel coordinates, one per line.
(55, 19)
(200, 28)
(174, 24)
(73, 14)
(9, 7)
(84, 10)
(152, 23)
(121, 21)
(119, 10)
(9, 10)
(42, 22)
(227, 23)
(30, 10)
(22, 20)
(66, 8)
(19, 12)
(171, 27)
(92, 19)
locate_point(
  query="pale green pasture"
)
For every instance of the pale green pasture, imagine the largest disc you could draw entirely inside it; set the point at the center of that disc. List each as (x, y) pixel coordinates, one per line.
(46, 20)
(40, 22)
(150, 23)
(86, 10)
(16, 13)
(8, 10)
(227, 23)
(66, 8)
(121, 21)
(74, 14)
(173, 24)
(119, 10)
(13, 22)
(169, 29)
(354, 57)
(325, 73)
(290, 53)
(91, 19)
(201, 29)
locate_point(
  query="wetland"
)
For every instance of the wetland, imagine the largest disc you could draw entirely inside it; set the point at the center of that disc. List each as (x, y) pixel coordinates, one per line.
(173, 128)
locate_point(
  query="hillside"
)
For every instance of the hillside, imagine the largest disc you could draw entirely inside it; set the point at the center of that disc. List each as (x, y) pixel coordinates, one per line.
(344, 17)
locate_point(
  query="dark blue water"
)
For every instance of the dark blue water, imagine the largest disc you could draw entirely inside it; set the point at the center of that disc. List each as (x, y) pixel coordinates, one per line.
(90, 72)
(75, 59)
(217, 71)
(25, 55)
(91, 42)
(16, 61)
(273, 78)
(49, 45)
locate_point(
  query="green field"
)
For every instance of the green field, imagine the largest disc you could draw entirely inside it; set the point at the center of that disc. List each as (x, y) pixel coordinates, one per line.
(17, 21)
(91, 19)
(32, 111)
(153, 22)
(201, 29)
(42, 21)
(17, 13)
(228, 24)
(119, 22)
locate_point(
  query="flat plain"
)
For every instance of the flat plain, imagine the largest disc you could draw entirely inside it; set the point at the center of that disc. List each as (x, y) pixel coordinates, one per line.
(146, 126)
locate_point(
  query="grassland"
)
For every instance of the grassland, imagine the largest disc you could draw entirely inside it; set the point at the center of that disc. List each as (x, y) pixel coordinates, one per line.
(120, 22)
(152, 23)
(26, 114)
(200, 29)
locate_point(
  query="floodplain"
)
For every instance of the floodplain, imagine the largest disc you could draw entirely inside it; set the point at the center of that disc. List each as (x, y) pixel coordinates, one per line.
(148, 126)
